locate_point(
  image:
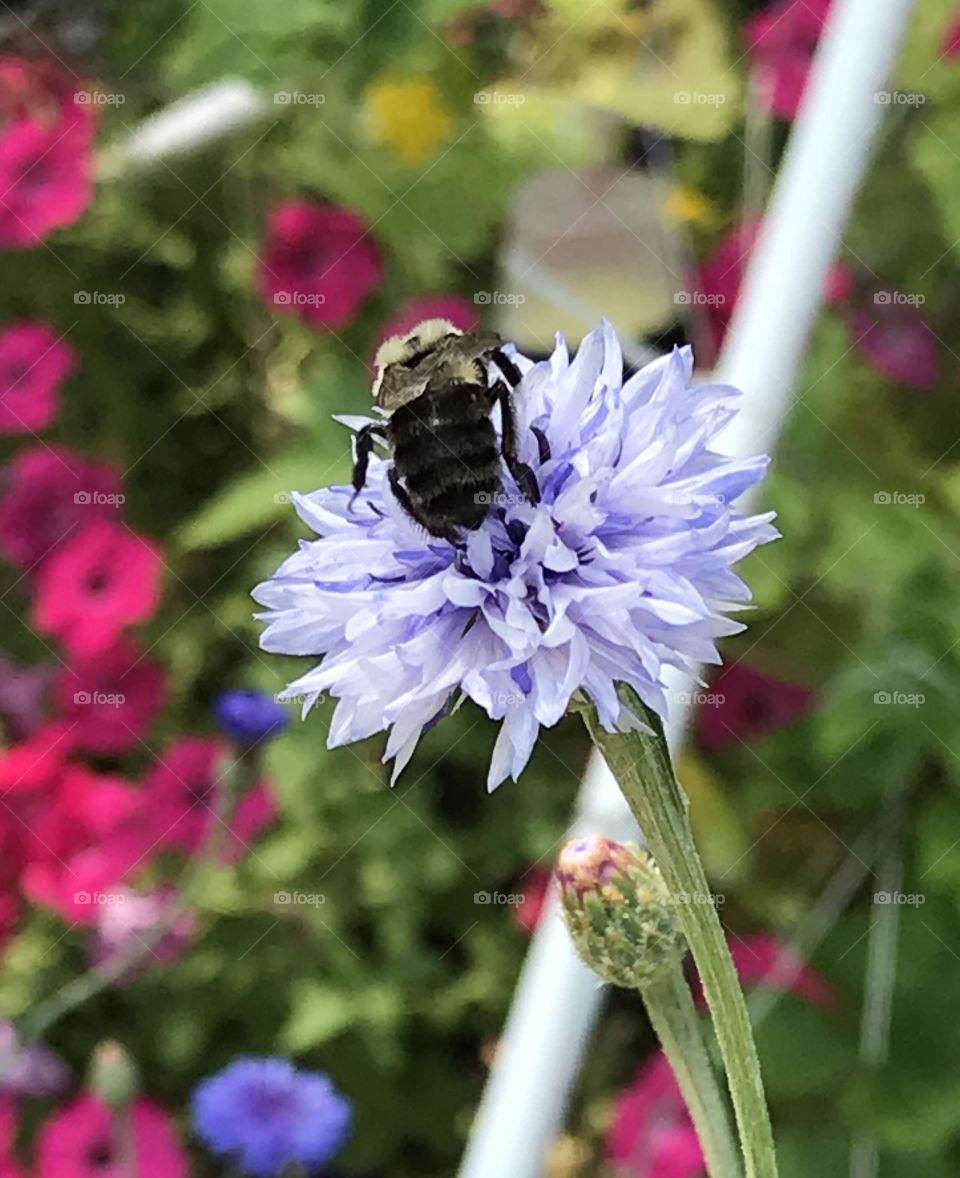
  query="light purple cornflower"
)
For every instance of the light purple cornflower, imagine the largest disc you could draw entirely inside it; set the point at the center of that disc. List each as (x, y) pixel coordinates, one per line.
(622, 570)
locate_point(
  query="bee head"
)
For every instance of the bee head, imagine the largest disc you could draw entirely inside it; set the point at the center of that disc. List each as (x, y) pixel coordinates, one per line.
(401, 353)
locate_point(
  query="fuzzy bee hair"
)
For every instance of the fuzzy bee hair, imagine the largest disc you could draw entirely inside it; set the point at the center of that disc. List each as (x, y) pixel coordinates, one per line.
(438, 387)
(435, 348)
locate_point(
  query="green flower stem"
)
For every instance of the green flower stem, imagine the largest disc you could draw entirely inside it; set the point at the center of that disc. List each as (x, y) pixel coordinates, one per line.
(679, 1028)
(641, 764)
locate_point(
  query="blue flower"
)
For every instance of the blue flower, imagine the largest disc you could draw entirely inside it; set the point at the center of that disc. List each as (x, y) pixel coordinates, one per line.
(622, 570)
(264, 1115)
(249, 717)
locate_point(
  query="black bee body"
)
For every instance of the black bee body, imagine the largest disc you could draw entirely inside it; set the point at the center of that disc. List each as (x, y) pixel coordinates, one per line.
(445, 451)
(436, 387)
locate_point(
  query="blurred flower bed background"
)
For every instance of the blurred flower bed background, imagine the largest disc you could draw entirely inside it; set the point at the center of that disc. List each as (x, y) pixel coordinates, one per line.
(175, 336)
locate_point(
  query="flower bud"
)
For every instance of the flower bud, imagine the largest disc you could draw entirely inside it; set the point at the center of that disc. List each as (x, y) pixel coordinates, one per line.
(114, 1075)
(618, 911)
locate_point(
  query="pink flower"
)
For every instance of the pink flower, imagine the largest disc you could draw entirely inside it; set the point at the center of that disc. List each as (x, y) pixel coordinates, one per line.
(79, 1142)
(950, 44)
(894, 339)
(113, 699)
(750, 705)
(721, 273)
(186, 789)
(129, 921)
(89, 837)
(651, 1134)
(46, 174)
(763, 959)
(34, 362)
(781, 41)
(318, 264)
(34, 763)
(103, 579)
(8, 1133)
(535, 887)
(49, 491)
(433, 306)
(23, 691)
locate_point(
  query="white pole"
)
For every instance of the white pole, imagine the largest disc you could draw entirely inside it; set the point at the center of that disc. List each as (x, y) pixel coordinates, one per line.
(555, 1005)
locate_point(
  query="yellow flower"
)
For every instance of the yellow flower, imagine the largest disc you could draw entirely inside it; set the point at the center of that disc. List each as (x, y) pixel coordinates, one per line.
(689, 207)
(408, 116)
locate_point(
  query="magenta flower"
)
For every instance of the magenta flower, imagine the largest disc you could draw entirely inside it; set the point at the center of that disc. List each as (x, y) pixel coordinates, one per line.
(950, 44)
(893, 337)
(90, 836)
(48, 492)
(79, 1142)
(186, 791)
(319, 263)
(23, 691)
(721, 273)
(8, 1133)
(46, 174)
(103, 579)
(112, 699)
(763, 959)
(749, 705)
(651, 1134)
(781, 41)
(34, 361)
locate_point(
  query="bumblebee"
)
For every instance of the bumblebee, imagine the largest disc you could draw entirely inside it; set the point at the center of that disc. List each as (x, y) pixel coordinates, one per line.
(438, 386)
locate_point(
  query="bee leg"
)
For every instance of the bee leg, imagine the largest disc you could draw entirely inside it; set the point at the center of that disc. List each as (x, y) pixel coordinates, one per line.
(363, 448)
(507, 367)
(523, 475)
(403, 498)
